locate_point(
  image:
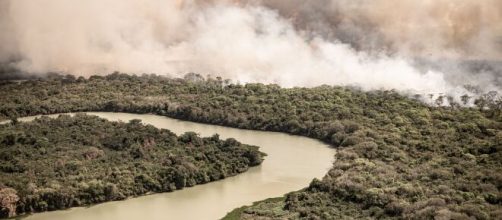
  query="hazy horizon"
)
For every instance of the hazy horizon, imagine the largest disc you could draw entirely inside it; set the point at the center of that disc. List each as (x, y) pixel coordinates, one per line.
(410, 45)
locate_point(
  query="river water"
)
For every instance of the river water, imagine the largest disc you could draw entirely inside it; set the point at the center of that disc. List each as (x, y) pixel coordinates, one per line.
(291, 164)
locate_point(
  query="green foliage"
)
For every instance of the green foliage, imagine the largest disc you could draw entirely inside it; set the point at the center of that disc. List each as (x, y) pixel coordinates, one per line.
(399, 158)
(268, 208)
(51, 164)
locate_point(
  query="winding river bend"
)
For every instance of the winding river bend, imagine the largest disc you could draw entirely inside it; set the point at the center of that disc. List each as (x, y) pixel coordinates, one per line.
(291, 164)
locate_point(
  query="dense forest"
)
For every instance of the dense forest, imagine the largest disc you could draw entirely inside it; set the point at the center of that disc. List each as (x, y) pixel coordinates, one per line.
(397, 157)
(51, 164)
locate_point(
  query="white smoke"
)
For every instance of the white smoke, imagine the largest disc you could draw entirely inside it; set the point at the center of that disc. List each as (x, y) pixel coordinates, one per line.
(254, 41)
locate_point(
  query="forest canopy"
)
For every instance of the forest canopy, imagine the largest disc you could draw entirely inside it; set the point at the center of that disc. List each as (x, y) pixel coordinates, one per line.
(397, 157)
(52, 164)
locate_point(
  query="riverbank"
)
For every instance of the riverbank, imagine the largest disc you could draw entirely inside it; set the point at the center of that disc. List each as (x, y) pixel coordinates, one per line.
(290, 164)
(272, 206)
(398, 157)
(57, 163)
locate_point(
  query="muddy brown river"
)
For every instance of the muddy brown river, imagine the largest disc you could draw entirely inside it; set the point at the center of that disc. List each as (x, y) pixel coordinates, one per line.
(291, 164)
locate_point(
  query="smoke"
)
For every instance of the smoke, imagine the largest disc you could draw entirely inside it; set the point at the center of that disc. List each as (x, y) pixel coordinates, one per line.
(464, 28)
(416, 46)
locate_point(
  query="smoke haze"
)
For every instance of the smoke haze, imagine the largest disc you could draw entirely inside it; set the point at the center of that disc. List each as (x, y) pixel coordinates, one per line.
(418, 46)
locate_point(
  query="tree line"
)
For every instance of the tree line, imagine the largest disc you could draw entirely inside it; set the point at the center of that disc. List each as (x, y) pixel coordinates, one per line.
(397, 157)
(52, 164)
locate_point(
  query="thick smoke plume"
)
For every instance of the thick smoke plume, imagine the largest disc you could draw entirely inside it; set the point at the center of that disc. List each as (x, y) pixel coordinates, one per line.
(420, 46)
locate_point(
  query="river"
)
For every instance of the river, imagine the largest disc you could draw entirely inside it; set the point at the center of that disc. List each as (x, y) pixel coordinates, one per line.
(291, 164)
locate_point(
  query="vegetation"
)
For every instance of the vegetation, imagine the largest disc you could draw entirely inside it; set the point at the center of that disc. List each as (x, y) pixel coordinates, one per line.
(397, 158)
(51, 164)
(271, 208)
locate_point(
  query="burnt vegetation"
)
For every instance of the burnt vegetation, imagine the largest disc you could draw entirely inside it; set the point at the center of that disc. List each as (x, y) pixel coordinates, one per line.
(397, 157)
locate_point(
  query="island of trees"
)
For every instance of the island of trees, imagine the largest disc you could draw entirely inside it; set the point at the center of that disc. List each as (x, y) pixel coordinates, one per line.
(397, 158)
(52, 164)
